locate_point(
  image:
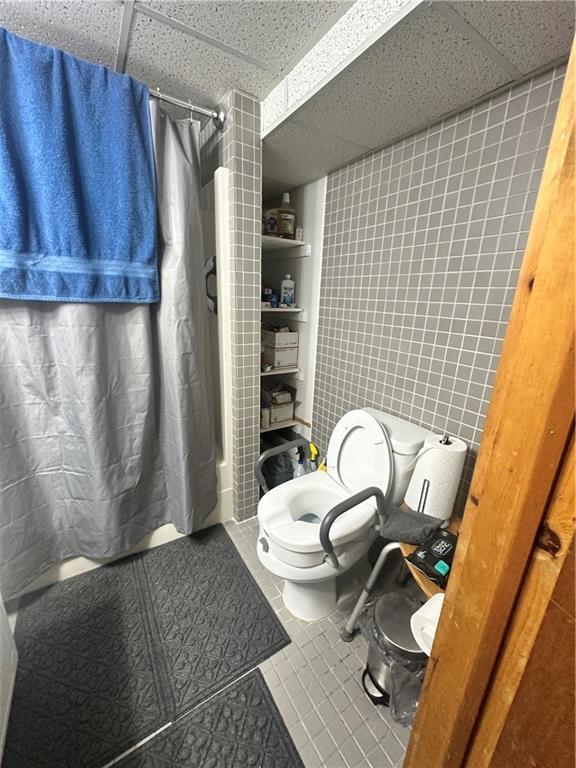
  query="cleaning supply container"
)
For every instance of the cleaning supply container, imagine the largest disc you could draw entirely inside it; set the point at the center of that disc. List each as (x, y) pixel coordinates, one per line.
(392, 645)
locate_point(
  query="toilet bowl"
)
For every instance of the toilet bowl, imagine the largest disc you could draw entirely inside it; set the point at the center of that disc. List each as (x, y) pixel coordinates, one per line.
(367, 448)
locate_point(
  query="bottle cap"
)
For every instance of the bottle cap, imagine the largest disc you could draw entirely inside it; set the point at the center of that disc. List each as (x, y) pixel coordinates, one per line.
(287, 277)
(286, 198)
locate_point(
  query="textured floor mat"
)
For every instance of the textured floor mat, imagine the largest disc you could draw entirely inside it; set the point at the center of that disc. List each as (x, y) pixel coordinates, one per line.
(108, 657)
(239, 728)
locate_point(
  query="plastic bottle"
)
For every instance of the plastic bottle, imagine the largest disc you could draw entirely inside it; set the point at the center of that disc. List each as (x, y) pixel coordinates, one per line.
(287, 291)
(286, 218)
(280, 221)
(313, 457)
(297, 463)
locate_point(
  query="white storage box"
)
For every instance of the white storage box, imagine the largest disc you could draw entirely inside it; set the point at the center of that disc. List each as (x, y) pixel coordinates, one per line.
(285, 357)
(280, 340)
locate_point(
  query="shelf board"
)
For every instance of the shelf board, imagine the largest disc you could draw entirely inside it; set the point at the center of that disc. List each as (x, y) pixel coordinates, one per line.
(280, 425)
(280, 310)
(270, 244)
(276, 371)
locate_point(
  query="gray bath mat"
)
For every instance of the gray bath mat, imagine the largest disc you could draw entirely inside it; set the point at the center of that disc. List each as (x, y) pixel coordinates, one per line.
(238, 728)
(108, 657)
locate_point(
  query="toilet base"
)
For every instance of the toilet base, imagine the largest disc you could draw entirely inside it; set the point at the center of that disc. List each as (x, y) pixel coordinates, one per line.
(310, 600)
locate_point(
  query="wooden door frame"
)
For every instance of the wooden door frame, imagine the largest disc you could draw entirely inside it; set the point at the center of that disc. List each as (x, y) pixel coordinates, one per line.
(554, 542)
(528, 430)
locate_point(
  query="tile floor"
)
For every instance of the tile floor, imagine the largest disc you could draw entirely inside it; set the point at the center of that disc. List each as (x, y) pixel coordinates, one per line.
(316, 684)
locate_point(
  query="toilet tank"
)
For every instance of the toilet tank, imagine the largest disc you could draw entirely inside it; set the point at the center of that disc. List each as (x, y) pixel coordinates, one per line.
(406, 439)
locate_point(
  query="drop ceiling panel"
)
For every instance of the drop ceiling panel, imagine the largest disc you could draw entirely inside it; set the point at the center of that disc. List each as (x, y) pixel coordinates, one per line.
(88, 30)
(421, 70)
(272, 31)
(184, 67)
(529, 34)
(296, 150)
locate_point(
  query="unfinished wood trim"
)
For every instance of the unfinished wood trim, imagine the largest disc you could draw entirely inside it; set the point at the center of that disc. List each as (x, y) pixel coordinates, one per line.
(553, 544)
(527, 430)
(539, 730)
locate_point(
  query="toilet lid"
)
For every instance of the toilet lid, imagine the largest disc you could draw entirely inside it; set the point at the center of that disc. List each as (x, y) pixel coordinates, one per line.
(359, 455)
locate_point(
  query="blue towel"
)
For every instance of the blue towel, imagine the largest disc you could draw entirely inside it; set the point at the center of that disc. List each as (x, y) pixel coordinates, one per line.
(77, 185)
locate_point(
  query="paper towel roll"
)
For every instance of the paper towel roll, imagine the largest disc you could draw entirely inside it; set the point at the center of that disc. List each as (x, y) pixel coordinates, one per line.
(441, 466)
(424, 622)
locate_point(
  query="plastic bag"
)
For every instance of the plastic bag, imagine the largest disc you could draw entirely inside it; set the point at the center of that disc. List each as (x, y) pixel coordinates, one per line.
(406, 683)
(277, 470)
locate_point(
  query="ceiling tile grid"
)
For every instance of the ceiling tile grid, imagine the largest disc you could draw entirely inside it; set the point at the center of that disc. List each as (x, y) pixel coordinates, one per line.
(199, 49)
(421, 70)
(439, 59)
(340, 42)
(185, 67)
(530, 34)
(363, 19)
(272, 32)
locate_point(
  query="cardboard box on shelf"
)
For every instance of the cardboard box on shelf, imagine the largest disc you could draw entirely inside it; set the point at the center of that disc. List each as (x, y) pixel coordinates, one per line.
(285, 357)
(279, 339)
(279, 398)
(280, 413)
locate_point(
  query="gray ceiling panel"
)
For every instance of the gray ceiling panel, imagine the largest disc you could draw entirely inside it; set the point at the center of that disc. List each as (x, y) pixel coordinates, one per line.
(184, 67)
(274, 33)
(88, 30)
(426, 67)
(295, 149)
(421, 70)
(529, 33)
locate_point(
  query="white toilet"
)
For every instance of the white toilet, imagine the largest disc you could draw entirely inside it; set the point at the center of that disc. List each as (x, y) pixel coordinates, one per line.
(367, 448)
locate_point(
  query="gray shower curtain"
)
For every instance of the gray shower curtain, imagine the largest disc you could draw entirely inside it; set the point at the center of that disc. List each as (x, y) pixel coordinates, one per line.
(105, 427)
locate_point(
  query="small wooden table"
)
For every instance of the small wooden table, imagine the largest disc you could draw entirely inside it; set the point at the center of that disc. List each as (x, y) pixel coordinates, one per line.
(428, 587)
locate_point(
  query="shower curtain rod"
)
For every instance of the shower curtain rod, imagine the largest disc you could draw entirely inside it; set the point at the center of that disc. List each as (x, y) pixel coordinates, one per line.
(218, 116)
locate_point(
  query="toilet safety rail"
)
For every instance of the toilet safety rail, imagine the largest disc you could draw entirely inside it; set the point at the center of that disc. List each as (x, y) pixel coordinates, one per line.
(277, 450)
(344, 506)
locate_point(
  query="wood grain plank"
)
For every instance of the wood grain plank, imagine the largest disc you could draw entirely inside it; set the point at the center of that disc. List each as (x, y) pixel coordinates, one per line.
(539, 728)
(527, 431)
(541, 584)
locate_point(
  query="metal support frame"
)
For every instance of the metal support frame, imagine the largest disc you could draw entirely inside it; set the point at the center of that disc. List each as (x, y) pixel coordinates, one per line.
(344, 506)
(122, 51)
(301, 442)
(347, 633)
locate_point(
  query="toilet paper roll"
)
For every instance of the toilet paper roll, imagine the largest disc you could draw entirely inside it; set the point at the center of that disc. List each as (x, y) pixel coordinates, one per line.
(434, 482)
(424, 622)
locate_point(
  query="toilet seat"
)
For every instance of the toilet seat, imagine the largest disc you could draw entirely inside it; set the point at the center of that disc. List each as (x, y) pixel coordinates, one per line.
(359, 453)
(367, 448)
(291, 514)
